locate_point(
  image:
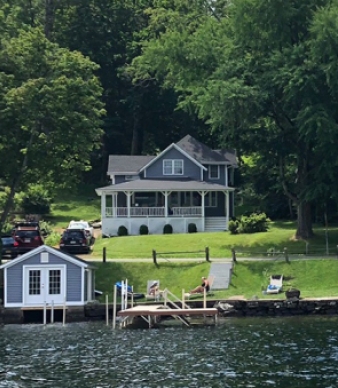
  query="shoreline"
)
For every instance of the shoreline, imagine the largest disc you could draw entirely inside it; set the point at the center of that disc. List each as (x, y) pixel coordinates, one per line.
(231, 307)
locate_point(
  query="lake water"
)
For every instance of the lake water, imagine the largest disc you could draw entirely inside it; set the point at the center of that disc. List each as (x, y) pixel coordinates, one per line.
(279, 352)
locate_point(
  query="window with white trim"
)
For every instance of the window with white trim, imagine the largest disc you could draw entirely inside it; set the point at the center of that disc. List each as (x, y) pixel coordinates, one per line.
(172, 167)
(210, 199)
(213, 171)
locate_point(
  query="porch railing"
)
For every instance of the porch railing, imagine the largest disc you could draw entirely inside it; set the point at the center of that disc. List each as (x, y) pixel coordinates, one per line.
(187, 211)
(194, 211)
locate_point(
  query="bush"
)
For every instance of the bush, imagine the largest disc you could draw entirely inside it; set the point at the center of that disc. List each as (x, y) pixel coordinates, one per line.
(36, 200)
(192, 228)
(122, 231)
(233, 227)
(167, 229)
(144, 229)
(253, 223)
(53, 239)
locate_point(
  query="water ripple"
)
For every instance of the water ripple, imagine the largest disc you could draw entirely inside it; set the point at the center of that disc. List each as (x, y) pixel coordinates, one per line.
(251, 353)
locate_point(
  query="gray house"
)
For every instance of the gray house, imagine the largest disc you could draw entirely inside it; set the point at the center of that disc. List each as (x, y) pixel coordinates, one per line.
(46, 275)
(186, 183)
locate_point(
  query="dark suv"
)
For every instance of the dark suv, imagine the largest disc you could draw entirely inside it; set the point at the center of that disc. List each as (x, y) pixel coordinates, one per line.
(75, 240)
(8, 247)
(27, 236)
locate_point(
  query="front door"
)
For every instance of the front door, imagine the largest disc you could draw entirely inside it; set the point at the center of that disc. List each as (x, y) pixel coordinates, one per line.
(44, 285)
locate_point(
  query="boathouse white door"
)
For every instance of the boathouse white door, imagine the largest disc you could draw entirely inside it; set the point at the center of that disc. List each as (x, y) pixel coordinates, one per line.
(45, 284)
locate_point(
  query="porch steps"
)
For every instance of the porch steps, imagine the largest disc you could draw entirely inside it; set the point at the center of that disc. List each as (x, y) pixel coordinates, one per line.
(214, 224)
(222, 275)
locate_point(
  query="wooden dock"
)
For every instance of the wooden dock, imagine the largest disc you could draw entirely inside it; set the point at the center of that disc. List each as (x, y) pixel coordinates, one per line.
(150, 313)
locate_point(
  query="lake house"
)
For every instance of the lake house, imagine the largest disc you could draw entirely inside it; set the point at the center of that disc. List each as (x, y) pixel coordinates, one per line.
(188, 182)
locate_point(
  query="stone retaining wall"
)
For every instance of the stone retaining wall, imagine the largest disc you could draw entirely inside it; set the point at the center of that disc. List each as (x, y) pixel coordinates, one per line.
(226, 308)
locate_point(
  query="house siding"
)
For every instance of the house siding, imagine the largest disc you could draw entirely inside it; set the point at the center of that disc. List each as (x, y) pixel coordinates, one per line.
(73, 283)
(14, 284)
(190, 169)
(221, 180)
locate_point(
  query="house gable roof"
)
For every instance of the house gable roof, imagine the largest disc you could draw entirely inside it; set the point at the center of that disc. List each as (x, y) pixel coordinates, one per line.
(173, 145)
(44, 248)
(205, 154)
(127, 164)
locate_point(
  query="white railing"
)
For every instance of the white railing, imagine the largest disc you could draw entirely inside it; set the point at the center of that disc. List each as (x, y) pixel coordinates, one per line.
(147, 211)
(109, 212)
(187, 211)
(194, 211)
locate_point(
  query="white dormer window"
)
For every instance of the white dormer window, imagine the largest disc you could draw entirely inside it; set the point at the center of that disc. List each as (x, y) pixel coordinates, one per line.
(172, 167)
(213, 171)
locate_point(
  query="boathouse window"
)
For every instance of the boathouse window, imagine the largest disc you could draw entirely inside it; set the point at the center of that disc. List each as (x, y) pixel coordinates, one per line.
(34, 282)
(172, 167)
(54, 282)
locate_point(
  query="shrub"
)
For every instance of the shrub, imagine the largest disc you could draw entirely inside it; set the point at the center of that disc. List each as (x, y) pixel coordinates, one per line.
(53, 239)
(233, 227)
(167, 229)
(192, 228)
(254, 223)
(144, 229)
(122, 231)
(36, 200)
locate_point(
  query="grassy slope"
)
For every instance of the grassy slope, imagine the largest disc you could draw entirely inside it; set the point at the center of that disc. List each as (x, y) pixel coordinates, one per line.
(315, 278)
(220, 243)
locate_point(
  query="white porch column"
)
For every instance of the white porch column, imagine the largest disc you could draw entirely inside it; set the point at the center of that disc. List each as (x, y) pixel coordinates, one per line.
(114, 204)
(103, 205)
(227, 210)
(202, 194)
(128, 194)
(166, 195)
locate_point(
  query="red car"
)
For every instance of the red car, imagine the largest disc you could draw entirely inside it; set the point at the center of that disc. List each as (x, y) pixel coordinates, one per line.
(27, 236)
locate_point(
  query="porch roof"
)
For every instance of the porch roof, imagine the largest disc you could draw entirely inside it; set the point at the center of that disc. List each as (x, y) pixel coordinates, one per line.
(163, 185)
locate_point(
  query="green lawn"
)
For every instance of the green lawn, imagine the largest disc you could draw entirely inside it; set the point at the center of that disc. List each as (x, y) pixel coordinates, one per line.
(315, 278)
(279, 236)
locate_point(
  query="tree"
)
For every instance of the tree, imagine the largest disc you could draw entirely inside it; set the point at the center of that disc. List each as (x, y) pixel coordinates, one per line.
(50, 113)
(261, 73)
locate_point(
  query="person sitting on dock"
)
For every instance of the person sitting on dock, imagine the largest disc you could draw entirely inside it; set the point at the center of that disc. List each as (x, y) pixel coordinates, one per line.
(153, 289)
(200, 289)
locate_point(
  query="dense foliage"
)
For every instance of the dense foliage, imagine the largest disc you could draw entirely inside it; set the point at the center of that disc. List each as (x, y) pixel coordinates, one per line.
(81, 80)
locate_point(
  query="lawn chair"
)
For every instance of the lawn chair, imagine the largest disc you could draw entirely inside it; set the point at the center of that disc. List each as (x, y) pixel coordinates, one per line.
(211, 279)
(276, 284)
(153, 290)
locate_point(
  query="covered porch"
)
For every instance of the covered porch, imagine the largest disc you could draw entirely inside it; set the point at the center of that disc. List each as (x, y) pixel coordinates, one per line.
(131, 204)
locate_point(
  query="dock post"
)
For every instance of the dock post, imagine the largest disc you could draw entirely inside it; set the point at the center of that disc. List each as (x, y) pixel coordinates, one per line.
(126, 295)
(122, 295)
(44, 313)
(204, 298)
(52, 312)
(64, 313)
(104, 254)
(114, 307)
(132, 296)
(107, 310)
(207, 254)
(165, 298)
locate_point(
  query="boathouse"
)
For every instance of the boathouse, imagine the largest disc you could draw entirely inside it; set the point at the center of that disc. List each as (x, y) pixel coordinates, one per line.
(47, 276)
